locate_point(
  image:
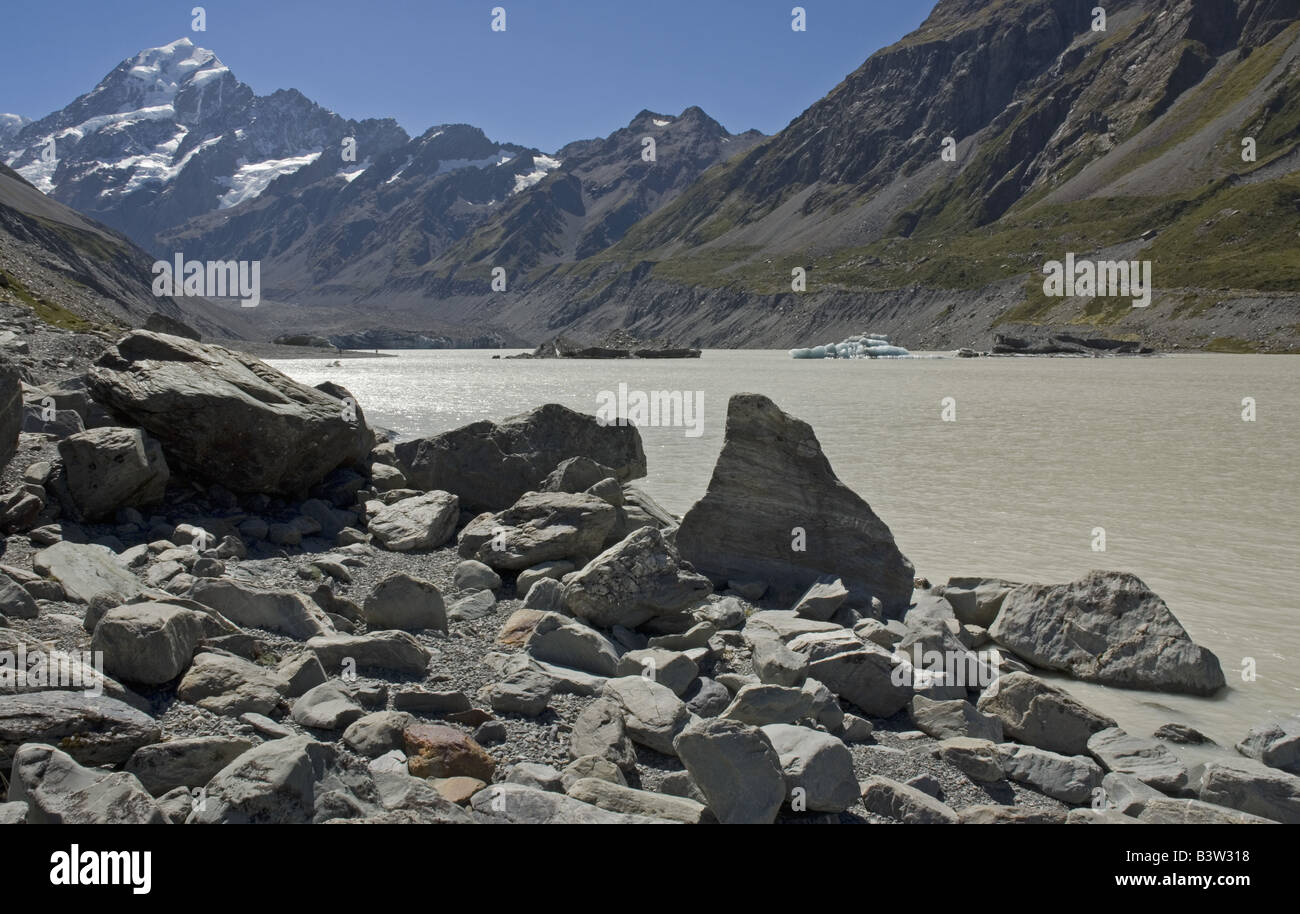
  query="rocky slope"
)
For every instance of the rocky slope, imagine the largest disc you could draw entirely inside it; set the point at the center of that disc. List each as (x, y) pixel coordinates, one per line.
(310, 634)
(1123, 143)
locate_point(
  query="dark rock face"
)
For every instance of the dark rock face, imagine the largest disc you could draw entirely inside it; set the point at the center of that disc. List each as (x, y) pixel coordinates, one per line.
(110, 468)
(490, 465)
(1107, 627)
(226, 417)
(771, 478)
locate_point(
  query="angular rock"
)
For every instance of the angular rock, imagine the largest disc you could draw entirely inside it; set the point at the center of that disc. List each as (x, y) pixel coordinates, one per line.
(532, 774)
(435, 751)
(149, 643)
(976, 601)
(976, 758)
(622, 799)
(525, 693)
(736, 768)
(294, 780)
(1145, 759)
(817, 764)
(58, 791)
(635, 580)
(776, 664)
(1107, 627)
(600, 731)
(866, 678)
(822, 599)
(490, 465)
(230, 686)
(944, 719)
(989, 814)
(539, 527)
(185, 763)
(327, 707)
(1168, 811)
(106, 469)
(87, 572)
(760, 705)
(567, 642)
(1068, 778)
(887, 797)
(205, 403)
(1039, 714)
(1252, 787)
(15, 601)
(471, 575)
(591, 766)
(421, 522)
(670, 668)
(1274, 746)
(93, 730)
(401, 601)
(475, 606)
(386, 650)
(772, 476)
(284, 611)
(653, 715)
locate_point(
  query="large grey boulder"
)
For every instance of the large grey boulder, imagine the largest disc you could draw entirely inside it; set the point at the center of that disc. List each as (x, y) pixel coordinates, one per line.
(207, 405)
(420, 522)
(15, 601)
(1148, 760)
(759, 704)
(634, 581)
(386, 650)
(1106, 627)
(1039, 714)
(955, 717)
(567, 642)
(149, 643)
(405, 602)
(288, 781)
(865, 677)
(600, 732)
(93, 730)
(285, 611)
(1068, 778)
(58, 791)
(818, 768)
(539, 527)
(736, 769)
(771, 477)
(184, 762)
(110, 468)
(490, 465)
(975, 600)
(327, 706)
(652, 714)
(671, 668)
(87, 572)
(229, 685)
(1252, 787)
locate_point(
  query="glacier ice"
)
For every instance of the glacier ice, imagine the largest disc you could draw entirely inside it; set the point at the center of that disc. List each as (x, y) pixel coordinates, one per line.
(862, 346)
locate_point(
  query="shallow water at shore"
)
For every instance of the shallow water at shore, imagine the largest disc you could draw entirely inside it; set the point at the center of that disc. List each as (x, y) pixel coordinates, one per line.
(1200, 504)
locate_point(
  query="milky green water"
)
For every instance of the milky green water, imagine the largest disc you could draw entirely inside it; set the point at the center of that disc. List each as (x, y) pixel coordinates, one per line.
(1200, 504)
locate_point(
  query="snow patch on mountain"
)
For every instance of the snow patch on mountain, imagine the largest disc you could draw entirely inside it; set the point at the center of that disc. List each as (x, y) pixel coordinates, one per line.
(251, 178)
(543, 165)
(501, 157)
(661, 123)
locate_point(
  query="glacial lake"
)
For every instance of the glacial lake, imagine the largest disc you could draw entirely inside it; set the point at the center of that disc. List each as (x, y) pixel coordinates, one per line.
(1199, 503)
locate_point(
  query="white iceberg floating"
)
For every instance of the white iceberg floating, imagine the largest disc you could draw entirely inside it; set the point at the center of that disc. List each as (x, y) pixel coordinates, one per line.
(864, 346)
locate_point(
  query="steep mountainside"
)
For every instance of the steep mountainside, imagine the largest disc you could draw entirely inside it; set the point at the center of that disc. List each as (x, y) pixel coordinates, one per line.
(1125, 143)
(78, 274)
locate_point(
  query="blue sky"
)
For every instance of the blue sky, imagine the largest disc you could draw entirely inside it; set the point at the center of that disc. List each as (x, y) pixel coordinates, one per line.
(562, 70)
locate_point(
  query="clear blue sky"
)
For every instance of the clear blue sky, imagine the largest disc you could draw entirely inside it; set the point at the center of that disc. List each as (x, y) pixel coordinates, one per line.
(562, 70)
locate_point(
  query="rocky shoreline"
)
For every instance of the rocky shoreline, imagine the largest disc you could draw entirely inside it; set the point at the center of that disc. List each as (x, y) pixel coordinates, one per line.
(301, 622)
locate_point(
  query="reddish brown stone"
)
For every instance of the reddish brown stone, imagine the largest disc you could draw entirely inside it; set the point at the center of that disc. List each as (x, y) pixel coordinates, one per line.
(435, 751)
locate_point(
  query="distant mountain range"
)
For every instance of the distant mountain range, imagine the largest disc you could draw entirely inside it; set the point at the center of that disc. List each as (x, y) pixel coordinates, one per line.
(1062, 134)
